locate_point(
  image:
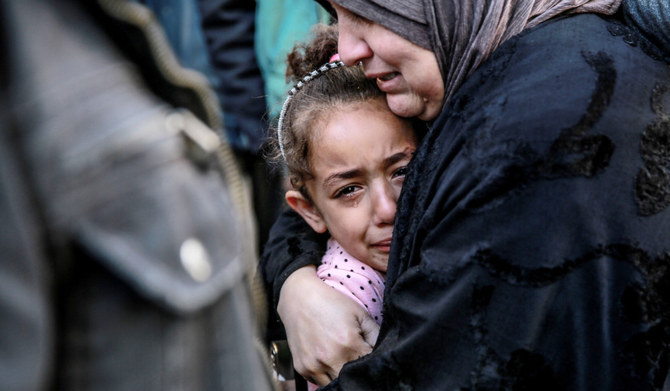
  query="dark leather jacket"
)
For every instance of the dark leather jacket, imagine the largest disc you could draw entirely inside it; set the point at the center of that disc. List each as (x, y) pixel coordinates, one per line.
(125, 246)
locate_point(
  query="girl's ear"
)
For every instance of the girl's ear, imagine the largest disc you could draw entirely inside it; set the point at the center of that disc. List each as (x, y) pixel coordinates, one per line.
(307, 210)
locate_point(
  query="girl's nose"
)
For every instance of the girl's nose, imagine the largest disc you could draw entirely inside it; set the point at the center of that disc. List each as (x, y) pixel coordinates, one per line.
(351, 47)
(384, 205)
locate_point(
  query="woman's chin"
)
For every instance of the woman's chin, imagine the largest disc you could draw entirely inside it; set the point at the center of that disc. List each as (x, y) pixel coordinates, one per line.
(409, 105)
(405, 105)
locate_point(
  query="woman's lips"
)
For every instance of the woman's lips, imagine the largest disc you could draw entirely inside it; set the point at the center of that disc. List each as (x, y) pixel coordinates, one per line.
(388, 76)
(387, 81)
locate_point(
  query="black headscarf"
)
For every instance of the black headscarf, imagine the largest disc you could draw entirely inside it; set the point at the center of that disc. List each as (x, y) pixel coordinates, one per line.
(652, 19)
(463, 33)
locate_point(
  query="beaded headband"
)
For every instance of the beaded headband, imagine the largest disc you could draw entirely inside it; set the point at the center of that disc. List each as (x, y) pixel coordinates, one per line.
(312, 75)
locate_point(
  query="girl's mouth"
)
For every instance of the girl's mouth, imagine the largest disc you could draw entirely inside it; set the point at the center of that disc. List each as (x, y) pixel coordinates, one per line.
(383, 245)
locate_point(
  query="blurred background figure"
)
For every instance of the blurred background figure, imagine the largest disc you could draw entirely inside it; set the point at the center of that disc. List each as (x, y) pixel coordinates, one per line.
(229, 30)
(279, 25)
(216, 38)
(127, 245)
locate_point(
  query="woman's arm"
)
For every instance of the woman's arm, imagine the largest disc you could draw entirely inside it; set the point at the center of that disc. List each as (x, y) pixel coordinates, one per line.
(325, 329)
(309, 308)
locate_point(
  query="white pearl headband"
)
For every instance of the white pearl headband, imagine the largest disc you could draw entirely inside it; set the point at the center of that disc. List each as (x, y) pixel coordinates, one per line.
(312, 75)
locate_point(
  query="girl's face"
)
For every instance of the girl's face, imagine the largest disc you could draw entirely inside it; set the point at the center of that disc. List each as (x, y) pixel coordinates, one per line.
(407, 73)
(359, 159)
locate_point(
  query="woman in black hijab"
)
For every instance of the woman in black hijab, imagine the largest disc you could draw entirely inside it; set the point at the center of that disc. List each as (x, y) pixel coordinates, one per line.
(531, 244)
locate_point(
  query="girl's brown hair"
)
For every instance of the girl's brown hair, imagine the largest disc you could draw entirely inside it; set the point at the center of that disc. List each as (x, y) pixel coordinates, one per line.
(311, 104)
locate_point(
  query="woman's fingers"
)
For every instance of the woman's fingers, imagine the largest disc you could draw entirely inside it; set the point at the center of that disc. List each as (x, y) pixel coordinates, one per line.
(325, 329)
(369, 330)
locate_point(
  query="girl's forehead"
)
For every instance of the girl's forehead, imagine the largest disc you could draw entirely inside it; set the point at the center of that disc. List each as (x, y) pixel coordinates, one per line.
(360, 120)
(365, 134)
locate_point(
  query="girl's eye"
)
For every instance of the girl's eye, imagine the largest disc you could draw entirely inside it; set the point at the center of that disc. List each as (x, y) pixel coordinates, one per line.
(402, 171)
(345, 191)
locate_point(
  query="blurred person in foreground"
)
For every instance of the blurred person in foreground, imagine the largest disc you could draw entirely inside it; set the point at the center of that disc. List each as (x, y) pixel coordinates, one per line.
(126, 250)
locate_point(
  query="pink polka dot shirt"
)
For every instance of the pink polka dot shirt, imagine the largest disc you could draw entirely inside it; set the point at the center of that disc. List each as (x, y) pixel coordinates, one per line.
(354, 278)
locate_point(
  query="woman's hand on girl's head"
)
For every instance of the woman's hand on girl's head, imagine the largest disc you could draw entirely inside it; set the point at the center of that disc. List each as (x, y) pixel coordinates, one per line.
(325, 329)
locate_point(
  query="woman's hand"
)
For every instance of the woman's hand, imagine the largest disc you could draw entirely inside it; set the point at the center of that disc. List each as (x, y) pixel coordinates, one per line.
(325, 329)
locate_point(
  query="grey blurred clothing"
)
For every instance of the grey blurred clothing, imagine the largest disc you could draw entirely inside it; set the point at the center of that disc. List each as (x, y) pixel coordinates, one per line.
(124, 251)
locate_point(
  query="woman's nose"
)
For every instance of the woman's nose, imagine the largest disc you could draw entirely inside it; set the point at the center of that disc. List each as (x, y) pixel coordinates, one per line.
(351, 47)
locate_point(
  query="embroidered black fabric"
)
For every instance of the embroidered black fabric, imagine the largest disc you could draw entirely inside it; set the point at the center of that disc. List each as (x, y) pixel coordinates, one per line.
(526, 260)
(652, 190)
(531, 245)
